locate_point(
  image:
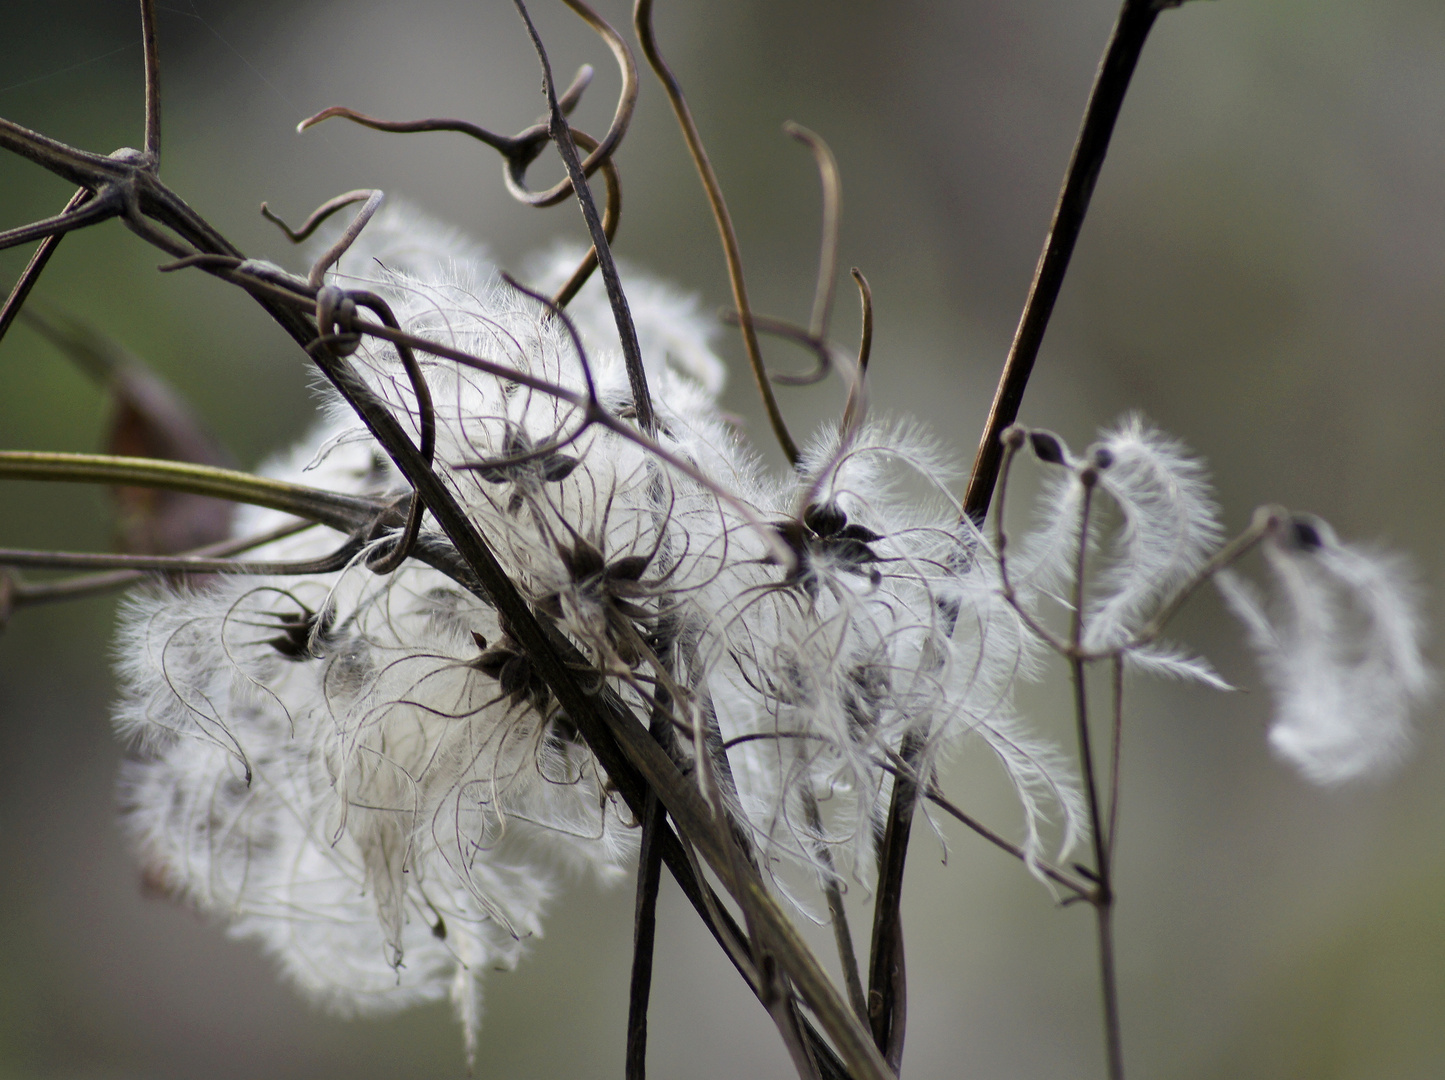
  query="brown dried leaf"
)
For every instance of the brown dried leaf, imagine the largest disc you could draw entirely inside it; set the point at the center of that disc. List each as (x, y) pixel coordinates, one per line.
(149, 419)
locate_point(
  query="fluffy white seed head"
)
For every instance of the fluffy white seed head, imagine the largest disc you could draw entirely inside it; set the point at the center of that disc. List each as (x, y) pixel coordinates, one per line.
(364, 773)
(1340, 646)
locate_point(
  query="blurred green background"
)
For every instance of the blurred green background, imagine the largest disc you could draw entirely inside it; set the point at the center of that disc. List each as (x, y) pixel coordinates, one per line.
(1261, 275)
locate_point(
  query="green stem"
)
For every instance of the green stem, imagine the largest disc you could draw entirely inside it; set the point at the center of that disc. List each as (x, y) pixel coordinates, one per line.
(343, 512)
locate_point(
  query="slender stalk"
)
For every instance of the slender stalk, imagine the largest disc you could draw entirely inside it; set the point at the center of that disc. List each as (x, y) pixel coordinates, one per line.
(342, 512)
(153, 82)
(644, 928)
(1109, 985)
(622, 314)
(1053, 873)
(1111, 83)
(642, 22)
(20, 292)
(27, 593)
(837, 913)
(1116, 750)
(887, 977)
(1103, 896)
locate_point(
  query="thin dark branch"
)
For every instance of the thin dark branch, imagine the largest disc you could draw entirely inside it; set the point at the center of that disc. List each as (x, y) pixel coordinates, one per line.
(611, 216)
(152, 82)
(332, 255)
(36, 266)
(837, 913)
(80, 167)
(321, 214)
(1109, 986)
(644, 922)
(1103, 898)
(522, 149)
(189, 564)
(1053, 873)
(1106, 98)
(1116, 750)
(27, 593)
(887, 978)
(326, 303)
(86, 212)
(626, 331)
(642, 23)
(644, 931)
(503, 144)
(622, 117)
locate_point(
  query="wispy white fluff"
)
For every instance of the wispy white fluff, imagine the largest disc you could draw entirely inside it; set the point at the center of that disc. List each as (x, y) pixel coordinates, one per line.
(1171, 525)
(1171, 662)
(361, 773)
(1340, 648)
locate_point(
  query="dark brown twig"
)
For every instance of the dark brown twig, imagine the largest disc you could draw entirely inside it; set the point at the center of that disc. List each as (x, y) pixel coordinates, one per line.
(562, 135)
(813, 337)
(20, 292)
(1116, 749)
(644, 932)
(1106, 98)
(611, 215)
(887, 979)
(27, 593)
(190, 564)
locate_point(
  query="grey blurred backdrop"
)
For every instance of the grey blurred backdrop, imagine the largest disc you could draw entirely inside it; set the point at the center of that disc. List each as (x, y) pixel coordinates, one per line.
(1262, 275)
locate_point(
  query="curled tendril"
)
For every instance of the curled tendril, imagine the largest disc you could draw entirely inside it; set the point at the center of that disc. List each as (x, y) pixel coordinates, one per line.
(337, 309)
(372, 202)
(813, 337)
(522, 149)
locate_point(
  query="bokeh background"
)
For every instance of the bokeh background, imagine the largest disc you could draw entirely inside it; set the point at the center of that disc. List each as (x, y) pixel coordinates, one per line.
(1262, 275)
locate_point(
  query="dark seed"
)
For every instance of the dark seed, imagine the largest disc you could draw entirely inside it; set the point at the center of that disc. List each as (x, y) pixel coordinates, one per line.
(825, 519)
(1305, 534)
(858, 532)
(1047, 447)
(627, 568)
(558, 467)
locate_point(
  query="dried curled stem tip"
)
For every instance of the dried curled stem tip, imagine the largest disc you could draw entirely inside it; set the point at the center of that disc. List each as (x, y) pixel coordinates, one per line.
(853, 411)
(832, 217)
(642, 23)
(318, 216)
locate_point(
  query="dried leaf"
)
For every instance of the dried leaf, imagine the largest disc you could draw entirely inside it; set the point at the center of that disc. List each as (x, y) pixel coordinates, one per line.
(149, 419)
